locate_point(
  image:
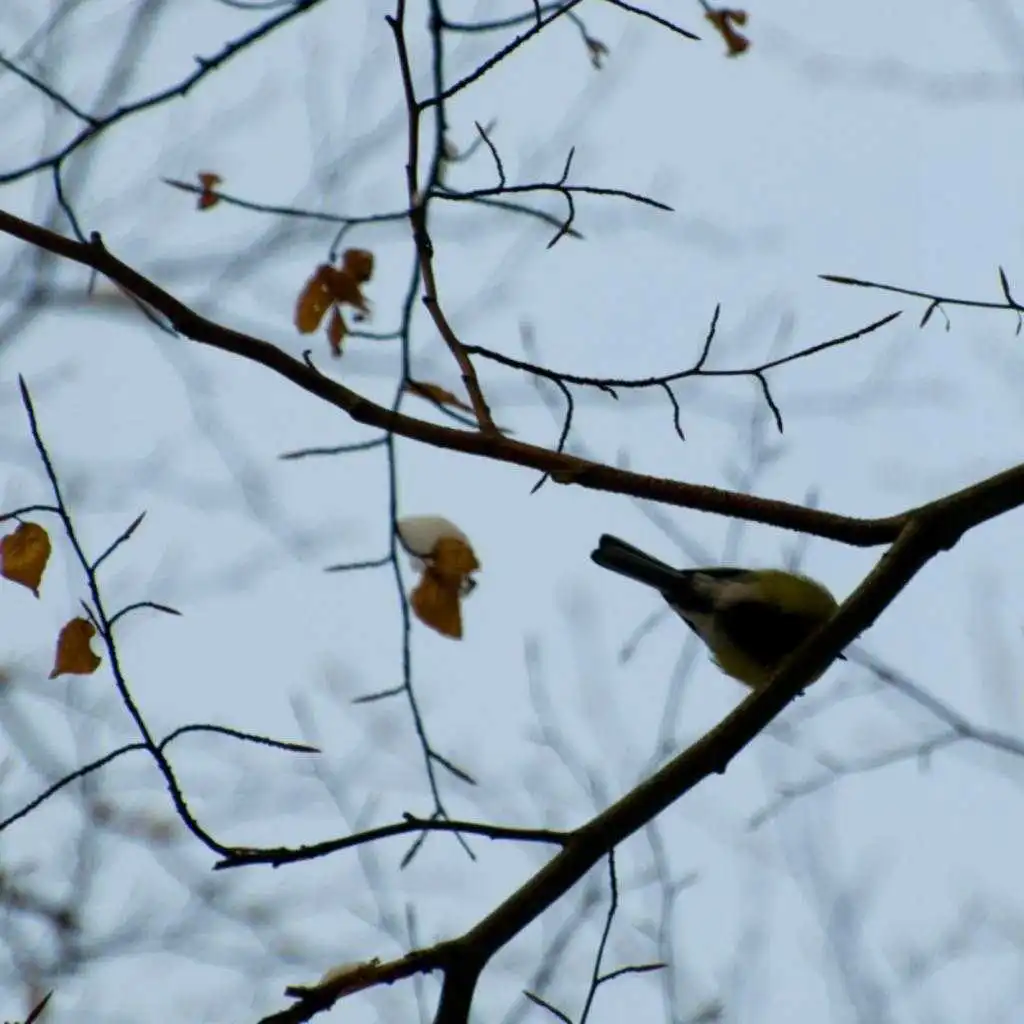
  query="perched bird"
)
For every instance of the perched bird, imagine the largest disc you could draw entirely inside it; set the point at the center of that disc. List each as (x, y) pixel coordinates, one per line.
(750, 619)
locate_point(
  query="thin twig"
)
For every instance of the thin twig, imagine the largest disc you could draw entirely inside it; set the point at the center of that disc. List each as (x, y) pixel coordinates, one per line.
(411, 825)
(107, 638)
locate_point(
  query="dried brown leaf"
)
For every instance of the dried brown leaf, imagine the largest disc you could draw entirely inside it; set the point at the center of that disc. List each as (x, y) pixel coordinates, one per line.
(209, 182)
(24, 554)
(336, 331)
(314, 300)
(725, 20)
(437, 604)
(436, 393)
(358, 264)
(74, 655)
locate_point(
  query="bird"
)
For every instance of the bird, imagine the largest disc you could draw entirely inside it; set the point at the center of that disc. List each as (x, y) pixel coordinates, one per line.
(749, 619)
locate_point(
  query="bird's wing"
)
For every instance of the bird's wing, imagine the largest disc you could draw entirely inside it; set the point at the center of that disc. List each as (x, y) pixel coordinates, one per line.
(765, 632)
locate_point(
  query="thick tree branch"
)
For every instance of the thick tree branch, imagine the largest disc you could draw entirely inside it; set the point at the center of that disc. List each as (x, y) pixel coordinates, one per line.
(564, 468)
(932, 529)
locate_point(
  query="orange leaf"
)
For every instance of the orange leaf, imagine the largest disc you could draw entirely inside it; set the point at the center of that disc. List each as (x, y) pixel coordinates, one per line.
(336, 331)
(74, 655)
(436, 603)
(314, 300)
(24, 554)
(207, 197)
(436, 393)
(344, 287)
(448, 561)
(358, 264)
(725, 21)
(341, 285)
(452, 561)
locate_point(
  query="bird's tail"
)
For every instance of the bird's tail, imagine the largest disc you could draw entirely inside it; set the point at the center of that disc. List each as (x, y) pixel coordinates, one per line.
(618, 556)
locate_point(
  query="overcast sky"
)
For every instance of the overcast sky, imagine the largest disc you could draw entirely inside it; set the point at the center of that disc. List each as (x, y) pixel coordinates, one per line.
(872, 140)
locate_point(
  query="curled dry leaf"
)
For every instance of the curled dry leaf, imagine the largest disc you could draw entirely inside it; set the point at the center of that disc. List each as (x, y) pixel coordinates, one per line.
(24, 554)
(345, 289)
(208, 197)
(358, 264)
(442, 396)
(330, 288)
(314, 300)
(336, 331)
(74, 655)
(447, 560)
(437, 606)
(436, 393)
(725, 21)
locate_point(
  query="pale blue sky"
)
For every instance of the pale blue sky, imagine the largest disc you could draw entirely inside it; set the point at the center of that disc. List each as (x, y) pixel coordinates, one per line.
(868, 139)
